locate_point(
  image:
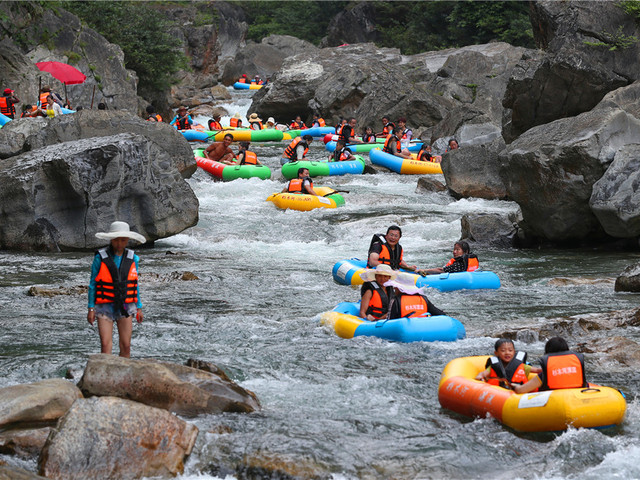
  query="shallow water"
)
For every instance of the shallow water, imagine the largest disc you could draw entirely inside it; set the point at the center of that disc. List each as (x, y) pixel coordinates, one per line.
(359, 408)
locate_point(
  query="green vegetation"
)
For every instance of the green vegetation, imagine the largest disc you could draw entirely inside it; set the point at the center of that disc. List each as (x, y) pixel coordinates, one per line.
(141, 32)
(631, 7)
(73, 57)
(614, 41)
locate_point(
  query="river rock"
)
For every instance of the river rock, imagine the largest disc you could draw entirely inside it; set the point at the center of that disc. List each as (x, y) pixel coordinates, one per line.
(474, 171)
(56, 198)
(551, 169)
(54, 292)
(25, 443)
(112, 438)
(572, 74)
(427, 184)
(492, 229)
(42, 402)
(14, 473)
(177, 388)
(353, 25)
(615, 199)
(629, 279)
(34, 133)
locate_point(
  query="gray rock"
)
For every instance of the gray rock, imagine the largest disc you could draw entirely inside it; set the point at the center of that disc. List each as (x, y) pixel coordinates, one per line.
(177, 388)
(492, 229)
(14, 473)
(353, 25)
(56, 198)
(25, 443)
(629, 279)
(41, 402)
(615, 199)
(428, 184)
(112, 438)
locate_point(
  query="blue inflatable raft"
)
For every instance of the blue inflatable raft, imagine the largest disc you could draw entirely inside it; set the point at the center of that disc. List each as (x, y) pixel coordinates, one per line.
(347, 272)
(345, 322)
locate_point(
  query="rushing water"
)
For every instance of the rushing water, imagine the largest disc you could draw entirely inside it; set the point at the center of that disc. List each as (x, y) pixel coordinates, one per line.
(359, 408)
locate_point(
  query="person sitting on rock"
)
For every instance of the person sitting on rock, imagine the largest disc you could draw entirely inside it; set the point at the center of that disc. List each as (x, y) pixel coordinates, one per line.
(182, 120)
(8, 103)
(301, 184)
(221, 151)
(152, 116)
(341, 153)
(246, 157)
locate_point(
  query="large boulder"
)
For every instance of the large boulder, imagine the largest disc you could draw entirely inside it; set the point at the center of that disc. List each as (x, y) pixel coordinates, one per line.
(57, 197)
(629, 279)
(550, 170)
(353, 25)
(492, 229)
(112, 438)
(585, 57)
(177, 388)
(33, 133)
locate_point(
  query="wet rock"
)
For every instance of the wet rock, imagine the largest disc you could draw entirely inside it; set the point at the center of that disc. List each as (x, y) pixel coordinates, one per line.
(177, 388)
(270, 465)
(42, 402)
(56, 198)
(568, 282)
(54, 292)
(629, 279)
(184, 276)
(207, 367)
(621, 349)
(427, 184)
(492, 229)
(24, 443)
(14, 473)
(112, 438)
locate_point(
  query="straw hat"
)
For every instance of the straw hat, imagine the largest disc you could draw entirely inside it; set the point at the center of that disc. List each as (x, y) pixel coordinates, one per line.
(406, 284)
(237, 115)
(369, 275)
(119, 230)
(254, 118)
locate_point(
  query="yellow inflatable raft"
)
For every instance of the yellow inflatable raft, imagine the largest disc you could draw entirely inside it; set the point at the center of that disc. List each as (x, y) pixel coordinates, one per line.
(550, 411)
(327, 198)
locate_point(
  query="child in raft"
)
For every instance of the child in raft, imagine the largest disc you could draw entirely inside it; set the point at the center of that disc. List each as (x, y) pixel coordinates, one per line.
(424, 155)
(507, 366)
(368, 136)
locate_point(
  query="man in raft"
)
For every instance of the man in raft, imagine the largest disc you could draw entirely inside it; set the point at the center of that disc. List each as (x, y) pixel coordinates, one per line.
(221, 151)
(302, 184)
(386, 249)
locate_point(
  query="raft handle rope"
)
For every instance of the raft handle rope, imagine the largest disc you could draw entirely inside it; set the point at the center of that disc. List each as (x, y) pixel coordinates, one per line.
(589, 389)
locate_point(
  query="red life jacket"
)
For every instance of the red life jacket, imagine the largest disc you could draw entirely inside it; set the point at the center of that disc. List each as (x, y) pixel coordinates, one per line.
(233, 122)
(513, 372)
(295, 185)
(249, 158)
(242, 80)
(471, 262)
(113, 285)
(379, 303)
(43, 99)
(297, 126)
(182, 123)
(413, 305)
(562, 370)
(7, 108)
(321, 122)
(290, 151)
(214, 125)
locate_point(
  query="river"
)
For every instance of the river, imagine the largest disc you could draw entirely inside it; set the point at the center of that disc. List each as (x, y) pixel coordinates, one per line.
(361, 408)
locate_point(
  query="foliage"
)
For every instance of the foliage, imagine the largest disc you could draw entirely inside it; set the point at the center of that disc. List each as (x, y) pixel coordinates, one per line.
(632, 8)
(614, 41)
(306, 20)
(141, 32)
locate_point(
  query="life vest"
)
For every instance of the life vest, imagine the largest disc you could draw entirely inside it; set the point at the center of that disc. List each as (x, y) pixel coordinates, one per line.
(113, 285)
(259, 124)
(413, 306)
(562, 370)
(369, 138)
(43, 99)
(295, 185)
(470, 262)
(339, 129)
(513, 372)
(346, 132)
(387, 143)
(214, 125)
(7, 108)
(379, 303)
(32, 110)
(386, 256)
(425, 156)
(389, 128)
(290, 151)
(294, 126)
(341, 155)
(233, 122)
(242, 80)
(321, 122)
(249, 158)
(182, 123)
(154, 118)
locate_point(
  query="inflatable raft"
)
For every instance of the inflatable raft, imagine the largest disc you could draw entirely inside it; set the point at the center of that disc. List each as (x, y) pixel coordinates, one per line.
(323, 169)
(550, 411)
(247, 135)
(231, 172)
(327, 198)
(345, 322)
(347, 272)
(247, 86)
(403, 165)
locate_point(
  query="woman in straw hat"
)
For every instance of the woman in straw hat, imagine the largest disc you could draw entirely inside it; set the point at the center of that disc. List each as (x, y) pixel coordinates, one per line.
(255, 122)
(114, 295)
(376, 298)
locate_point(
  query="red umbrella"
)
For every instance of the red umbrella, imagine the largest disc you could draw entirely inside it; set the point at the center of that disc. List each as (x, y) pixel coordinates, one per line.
(65, 73)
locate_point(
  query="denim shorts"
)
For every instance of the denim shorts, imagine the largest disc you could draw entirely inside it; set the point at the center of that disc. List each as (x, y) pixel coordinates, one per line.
(108, 310)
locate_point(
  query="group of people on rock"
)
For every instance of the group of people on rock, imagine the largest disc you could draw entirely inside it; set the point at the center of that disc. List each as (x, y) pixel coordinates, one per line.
(49, 104)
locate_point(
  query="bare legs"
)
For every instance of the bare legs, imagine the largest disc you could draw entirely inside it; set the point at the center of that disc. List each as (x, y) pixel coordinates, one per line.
(125, 328)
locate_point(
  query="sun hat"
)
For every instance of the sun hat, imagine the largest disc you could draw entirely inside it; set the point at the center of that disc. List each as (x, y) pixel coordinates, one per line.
(254, 117)
(271, 120)
(369, 275)
(237, 115)
(8, 91)
(406, 284)
(118, 230)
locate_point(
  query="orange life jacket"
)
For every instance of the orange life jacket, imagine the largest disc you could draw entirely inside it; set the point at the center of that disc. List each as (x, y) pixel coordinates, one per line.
(387, 143)
(339, 129)
(562, 370)
(321, 122)
(379, 303)
(214, 125)
(290, 151)
(233, 122)
(470, 261)
(413, 305)
(7, 108)
(251, 124)
(242, 80)
(154, 118)
(43, 99)
(32, 110)
(425, 156)
(294, 126)
(250, 158)
(295, 185)
(513, 372)
(388, 128)
(386, 256)
(113, 285)
(341, 155)
(182, 123)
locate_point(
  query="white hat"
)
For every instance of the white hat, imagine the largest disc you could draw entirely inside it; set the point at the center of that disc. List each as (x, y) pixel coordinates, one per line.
(237, 115)
(406, 283)
(254, 117)
(369, 275)
(118, 230)
(271, 120)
